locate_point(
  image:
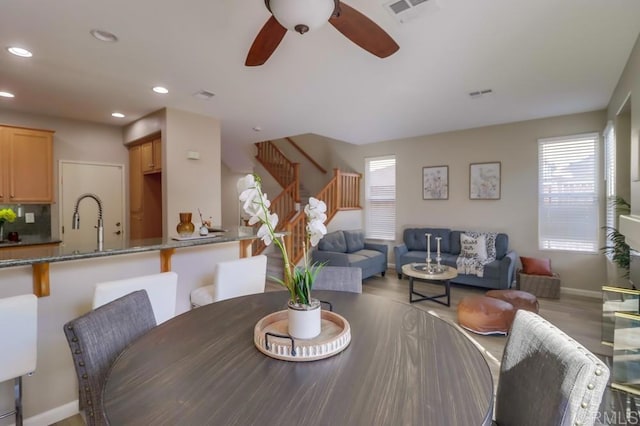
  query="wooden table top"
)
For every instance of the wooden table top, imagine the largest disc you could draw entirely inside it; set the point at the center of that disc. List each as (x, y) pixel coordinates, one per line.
(449, 274)
(402, 367)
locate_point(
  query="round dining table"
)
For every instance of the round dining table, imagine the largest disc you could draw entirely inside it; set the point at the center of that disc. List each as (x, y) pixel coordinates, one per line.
(403, 366)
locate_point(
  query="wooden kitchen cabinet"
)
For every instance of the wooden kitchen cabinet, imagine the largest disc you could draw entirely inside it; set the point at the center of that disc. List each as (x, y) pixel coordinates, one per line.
(151, 156)
(145, 190)
(26, 165)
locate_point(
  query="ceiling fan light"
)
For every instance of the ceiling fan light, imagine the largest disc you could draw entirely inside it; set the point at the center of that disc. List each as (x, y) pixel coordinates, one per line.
(306, 14)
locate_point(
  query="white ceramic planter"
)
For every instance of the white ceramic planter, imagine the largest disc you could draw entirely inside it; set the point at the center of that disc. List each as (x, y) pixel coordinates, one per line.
(304, 321)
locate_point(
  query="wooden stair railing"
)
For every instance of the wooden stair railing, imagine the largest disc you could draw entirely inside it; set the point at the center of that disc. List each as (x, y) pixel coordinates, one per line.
(278, 165)
(341, 193)
(307, 156)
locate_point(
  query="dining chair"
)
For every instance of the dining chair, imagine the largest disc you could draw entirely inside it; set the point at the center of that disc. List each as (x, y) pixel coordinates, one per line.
(19, 336)
(339, 278)
(161, 289)
(546, 377)
(98, 337)
(233, 278)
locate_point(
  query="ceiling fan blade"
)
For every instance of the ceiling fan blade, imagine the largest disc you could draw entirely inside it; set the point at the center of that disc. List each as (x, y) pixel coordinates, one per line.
(363, 32)
(265, 43)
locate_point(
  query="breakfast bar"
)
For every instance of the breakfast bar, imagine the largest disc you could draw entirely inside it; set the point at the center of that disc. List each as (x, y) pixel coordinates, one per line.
(40, 254)
(67, 276)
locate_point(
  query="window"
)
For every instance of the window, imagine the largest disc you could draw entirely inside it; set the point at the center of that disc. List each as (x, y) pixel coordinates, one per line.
(568, 193)
(610, 176)
(380, 195)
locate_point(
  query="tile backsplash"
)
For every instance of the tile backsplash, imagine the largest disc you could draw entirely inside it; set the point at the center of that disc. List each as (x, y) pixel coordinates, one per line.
(42, 220)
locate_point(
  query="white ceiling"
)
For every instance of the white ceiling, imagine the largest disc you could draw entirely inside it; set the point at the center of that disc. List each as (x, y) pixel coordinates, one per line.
(541, 58)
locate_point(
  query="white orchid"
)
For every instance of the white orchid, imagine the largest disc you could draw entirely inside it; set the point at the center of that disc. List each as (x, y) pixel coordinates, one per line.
(256, 205)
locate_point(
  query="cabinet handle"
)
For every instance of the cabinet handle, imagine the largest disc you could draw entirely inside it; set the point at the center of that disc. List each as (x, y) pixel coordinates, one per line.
(118, 232)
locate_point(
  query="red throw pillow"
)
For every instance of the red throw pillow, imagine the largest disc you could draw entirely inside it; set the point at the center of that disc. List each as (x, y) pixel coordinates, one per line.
(533, 266)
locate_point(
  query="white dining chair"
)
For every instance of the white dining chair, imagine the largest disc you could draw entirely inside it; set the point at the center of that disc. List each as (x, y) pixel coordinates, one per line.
(233, 278)
(19, 336)
(161, 288)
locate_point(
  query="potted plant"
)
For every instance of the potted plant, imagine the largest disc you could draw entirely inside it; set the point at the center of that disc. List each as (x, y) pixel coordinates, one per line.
(6, 215)
(304, 312)
(617, 250)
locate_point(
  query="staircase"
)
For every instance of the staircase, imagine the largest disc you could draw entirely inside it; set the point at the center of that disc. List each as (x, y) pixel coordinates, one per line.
(342, 192)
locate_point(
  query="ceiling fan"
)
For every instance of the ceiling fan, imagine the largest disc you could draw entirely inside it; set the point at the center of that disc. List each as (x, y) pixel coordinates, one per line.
(302, 16)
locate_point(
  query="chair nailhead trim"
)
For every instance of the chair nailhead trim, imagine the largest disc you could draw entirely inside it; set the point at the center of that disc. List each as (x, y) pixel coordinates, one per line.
(590, 386)
(584, 405)
(598, 372)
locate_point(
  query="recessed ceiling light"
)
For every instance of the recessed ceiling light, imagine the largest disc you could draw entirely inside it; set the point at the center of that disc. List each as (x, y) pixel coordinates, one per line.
(7, 95)
(104, 36)
(19, 51)
(161, 90)
(257, 128)
(117, 114)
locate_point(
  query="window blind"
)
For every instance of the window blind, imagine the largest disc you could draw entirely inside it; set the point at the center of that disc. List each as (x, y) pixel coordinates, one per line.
(380, 197)
(610, 174)
(568, 193)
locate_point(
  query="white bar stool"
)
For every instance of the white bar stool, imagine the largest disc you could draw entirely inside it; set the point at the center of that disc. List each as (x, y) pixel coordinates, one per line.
(19, 334)
(161, 288)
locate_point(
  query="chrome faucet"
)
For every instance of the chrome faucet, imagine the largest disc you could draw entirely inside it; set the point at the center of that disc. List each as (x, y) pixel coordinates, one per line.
(100, 227)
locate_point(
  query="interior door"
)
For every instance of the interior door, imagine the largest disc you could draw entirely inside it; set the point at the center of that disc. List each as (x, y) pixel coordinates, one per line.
(107, 182)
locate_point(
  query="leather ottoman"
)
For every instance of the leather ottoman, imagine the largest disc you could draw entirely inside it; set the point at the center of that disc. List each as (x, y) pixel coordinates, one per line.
(519, 299)
(485, 315)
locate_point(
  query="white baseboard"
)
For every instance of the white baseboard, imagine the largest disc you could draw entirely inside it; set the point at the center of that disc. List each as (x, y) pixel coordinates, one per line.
(54, 415)
(579, 292)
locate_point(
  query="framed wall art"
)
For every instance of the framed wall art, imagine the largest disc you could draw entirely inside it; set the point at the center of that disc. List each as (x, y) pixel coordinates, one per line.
(484, 181)
(435, 183)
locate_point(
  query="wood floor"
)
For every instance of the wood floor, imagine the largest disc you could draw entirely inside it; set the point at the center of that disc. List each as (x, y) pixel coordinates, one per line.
(577, 316)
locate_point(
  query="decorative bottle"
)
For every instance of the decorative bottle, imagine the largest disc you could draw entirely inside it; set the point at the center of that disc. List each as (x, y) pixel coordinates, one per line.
(185, 228)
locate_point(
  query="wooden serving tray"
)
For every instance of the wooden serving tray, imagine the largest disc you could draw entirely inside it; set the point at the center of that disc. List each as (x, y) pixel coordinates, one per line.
(334, 337)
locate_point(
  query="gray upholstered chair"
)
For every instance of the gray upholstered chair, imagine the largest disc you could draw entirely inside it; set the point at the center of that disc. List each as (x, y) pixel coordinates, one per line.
(339, 278)
(546, 377)
(98, 337)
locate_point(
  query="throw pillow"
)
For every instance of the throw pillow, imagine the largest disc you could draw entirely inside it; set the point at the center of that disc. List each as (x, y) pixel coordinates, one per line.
(473, 247)
(534, 266)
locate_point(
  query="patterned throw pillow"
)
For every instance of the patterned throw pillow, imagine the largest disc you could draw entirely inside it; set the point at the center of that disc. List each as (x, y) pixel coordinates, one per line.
(473, 247)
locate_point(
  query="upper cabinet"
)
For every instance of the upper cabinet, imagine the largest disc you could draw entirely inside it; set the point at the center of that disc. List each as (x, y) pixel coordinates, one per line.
(151, 152)
(26, 165)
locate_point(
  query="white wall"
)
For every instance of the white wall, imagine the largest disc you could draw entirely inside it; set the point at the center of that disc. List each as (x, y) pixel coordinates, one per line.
(629, 86)
(73, 140)
(516, 213)
(191, 184)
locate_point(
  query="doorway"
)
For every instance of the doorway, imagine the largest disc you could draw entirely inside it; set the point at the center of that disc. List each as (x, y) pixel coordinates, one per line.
(105, 181)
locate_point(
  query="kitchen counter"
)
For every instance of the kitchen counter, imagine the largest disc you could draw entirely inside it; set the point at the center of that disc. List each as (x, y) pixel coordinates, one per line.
(63, 253)
(40, 254)
(28, 240)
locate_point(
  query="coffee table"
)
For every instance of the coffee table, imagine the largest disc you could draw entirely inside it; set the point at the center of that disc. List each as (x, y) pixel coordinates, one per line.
(445, 278)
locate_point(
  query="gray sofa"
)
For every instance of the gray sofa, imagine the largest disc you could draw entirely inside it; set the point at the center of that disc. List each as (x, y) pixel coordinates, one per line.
(498, 274)
(348, 248)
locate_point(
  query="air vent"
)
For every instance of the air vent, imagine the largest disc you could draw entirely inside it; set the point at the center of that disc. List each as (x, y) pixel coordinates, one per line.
(405, 10)
(480, 93)
(204, 95)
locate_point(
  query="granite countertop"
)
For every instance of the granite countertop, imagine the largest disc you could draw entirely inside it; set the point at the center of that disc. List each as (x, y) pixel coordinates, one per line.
(37, 253)
(29, 240)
